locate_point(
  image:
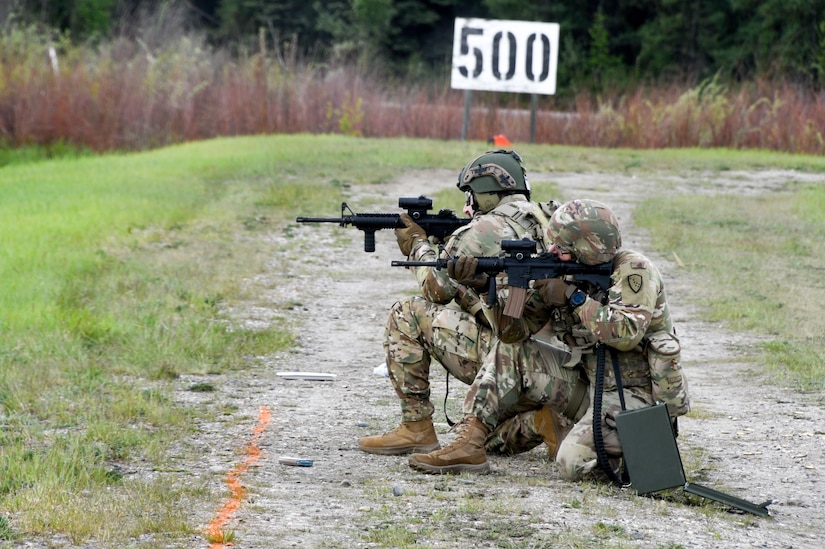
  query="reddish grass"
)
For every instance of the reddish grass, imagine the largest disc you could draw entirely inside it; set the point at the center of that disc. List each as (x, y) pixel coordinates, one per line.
(121, 98)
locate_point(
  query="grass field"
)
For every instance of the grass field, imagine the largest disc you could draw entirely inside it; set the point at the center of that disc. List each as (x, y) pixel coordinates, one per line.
(117, 271)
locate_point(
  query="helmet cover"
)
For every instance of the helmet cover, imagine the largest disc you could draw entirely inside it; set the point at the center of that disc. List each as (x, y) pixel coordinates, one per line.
(494, 171)
(587, 229)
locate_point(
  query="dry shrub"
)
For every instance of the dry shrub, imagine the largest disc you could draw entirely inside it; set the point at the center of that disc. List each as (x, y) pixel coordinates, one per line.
(128, 96)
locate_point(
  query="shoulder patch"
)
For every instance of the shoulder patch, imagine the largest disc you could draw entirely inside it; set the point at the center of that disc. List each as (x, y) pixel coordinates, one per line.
(634, 282)
(638, 265)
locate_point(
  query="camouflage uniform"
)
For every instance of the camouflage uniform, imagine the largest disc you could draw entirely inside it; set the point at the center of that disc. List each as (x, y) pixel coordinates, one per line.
(635, 322)
(447, 321)
(525, 375)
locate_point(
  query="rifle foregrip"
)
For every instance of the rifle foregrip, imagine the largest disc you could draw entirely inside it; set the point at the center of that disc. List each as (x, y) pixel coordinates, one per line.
(369, 240)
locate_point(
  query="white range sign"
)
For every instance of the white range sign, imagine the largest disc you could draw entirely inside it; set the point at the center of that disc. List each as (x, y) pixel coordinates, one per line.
(505, 56)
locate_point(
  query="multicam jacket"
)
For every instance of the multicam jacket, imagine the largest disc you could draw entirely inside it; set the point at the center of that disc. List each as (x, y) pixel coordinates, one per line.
(635, 320)
(514, 217)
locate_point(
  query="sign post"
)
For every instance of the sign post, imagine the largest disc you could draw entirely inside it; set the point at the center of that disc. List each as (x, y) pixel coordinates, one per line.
(504, 56)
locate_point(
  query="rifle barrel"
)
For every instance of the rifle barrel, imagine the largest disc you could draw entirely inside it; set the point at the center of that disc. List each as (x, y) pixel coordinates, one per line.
(319, 219)
(414, 264)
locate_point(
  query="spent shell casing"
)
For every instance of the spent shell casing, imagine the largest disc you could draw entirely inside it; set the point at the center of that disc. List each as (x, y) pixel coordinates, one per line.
(297, 462)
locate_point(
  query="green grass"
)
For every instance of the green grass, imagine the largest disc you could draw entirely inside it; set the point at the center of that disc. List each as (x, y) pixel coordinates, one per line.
(763, 260)
(118, 269)
(31, 154)
(681, 161)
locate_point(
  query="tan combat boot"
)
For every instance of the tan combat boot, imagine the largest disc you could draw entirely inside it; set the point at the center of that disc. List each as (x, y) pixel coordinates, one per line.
(553, 428)
(410, 436)
(465, 453)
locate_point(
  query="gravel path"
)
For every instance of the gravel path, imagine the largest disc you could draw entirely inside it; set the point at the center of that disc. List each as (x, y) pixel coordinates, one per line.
(744, 437)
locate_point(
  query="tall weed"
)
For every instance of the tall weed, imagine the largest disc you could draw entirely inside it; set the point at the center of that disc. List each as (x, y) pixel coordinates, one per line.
(132, 95)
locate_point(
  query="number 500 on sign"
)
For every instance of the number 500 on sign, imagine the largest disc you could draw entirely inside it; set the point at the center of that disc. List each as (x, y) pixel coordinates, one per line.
(506, 56)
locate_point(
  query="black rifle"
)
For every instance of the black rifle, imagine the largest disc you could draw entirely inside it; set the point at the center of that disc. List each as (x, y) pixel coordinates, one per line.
(440, 225)
(522, 264)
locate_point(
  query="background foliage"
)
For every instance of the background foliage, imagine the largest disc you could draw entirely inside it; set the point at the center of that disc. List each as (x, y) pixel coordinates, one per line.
(164, 77)
(641, 40)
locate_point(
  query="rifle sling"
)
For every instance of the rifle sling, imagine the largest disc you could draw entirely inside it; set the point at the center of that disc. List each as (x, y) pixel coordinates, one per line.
(450, 422)
(598, 393)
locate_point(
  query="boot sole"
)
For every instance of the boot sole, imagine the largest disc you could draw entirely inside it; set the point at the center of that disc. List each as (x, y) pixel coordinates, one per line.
(401, 450)
(480, 469)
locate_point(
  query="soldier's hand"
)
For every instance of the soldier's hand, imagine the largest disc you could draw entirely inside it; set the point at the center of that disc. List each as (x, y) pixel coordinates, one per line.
(554, 291)
(409, 235)
(463, 271)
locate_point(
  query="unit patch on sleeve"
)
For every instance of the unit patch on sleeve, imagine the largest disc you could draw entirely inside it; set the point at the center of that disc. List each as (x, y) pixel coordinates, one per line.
(634, 282)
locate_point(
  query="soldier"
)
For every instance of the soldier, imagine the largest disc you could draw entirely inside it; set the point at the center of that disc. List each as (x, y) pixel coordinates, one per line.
(447, 322)
(630, 327)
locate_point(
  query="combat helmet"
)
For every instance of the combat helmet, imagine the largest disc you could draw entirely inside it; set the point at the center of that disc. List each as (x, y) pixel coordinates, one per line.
(587, 229)
(499, 171)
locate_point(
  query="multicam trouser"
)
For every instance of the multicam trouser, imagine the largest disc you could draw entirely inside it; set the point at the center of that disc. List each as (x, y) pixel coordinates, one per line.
(516, 431)
(514, 375)
(577, 454)
(419, 331)
(526, 375)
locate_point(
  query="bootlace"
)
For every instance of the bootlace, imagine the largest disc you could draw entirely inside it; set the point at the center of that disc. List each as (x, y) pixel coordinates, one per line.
(394, 430)
(461, 429)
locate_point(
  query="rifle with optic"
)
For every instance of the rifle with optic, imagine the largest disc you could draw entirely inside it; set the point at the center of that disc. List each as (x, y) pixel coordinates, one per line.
(439, 225)
(522, 264)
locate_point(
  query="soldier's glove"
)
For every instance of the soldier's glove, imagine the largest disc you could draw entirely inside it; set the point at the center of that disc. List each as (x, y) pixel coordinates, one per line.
(554, 291)
(463, 271)
(409, 235)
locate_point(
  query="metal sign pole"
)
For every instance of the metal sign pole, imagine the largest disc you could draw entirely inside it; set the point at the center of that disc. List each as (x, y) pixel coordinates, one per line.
(504, 56)
(468, 96)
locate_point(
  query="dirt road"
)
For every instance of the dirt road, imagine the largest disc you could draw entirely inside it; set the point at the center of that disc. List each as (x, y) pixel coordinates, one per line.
(744, 437)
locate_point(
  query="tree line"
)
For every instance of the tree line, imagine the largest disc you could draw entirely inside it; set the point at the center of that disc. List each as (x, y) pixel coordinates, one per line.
(604, 43)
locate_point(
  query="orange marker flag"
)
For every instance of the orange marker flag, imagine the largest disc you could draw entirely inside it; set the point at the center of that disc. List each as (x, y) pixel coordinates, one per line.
(500, 140)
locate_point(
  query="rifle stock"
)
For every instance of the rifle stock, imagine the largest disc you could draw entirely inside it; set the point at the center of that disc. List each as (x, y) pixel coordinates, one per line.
(440, 225)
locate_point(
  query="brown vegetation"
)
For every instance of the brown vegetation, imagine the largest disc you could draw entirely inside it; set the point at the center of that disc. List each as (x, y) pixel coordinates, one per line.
(124, 96)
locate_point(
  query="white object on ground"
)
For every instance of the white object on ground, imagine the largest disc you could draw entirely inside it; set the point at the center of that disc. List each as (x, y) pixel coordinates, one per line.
(309, 376)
